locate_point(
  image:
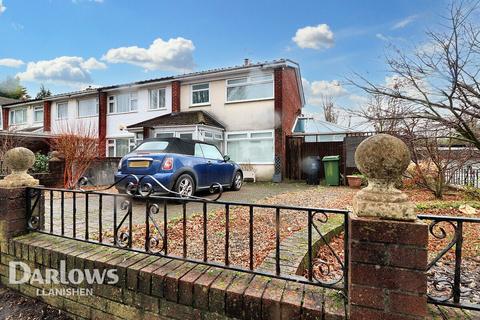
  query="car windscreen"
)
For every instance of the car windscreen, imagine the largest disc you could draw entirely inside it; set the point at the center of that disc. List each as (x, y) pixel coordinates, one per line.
(157, 146)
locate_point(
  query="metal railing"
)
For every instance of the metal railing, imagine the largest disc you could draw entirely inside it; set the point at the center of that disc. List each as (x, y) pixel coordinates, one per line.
(140, 221)
(447, 285)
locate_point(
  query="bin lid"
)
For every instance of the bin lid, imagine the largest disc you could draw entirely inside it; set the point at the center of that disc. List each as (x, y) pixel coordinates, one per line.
(331, 158)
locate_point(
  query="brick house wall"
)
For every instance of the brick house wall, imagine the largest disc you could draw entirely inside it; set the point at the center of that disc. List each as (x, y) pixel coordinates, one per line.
(102, 123)
(288, 105)
(47, 116)
(176, 96)
(5, 118)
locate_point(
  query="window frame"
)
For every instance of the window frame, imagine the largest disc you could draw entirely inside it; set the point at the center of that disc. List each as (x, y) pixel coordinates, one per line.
(157, 90)
(115, 102)
(112, 142)
(35, 110)
(249, 138)
(97, 108)
(62, 103)
(227, 85)
(196, 90)
(12, 116)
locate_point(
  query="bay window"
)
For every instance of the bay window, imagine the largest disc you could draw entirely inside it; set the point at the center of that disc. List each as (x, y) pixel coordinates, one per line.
(38, 114)
(124, 102)
(250, 88)
(157, 98)
(87, 107)
(120, 147)
(200, 94)
(18, 116)
(62, 110)
(255, 147)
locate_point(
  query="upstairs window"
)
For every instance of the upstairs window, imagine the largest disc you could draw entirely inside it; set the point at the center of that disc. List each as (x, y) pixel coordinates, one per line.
(62, 110)
(121, 103)
(250, 88)
(38, 114)
(157, 98)
(200, 94)
(88, 107)
(18, 116)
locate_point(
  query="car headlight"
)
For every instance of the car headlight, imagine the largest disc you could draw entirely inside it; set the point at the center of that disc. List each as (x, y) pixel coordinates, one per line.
(120, 164)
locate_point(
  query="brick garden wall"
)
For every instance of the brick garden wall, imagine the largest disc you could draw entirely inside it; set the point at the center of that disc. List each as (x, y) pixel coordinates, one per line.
(152, 287)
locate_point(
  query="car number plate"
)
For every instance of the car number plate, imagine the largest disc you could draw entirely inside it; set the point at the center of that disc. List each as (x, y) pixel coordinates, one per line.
(139, 164)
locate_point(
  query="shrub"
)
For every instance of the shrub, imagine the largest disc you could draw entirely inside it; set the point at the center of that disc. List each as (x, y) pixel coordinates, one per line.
(41, 163)
(472, 193)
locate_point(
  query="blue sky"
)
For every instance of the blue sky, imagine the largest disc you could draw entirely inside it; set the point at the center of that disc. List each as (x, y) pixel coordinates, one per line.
(69, 44)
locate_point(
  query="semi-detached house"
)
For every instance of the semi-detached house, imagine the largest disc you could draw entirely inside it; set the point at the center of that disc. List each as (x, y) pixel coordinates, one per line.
(247, 111)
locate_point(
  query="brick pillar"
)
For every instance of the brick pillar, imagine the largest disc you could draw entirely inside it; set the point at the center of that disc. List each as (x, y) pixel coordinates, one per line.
(387, 266)
(5, 118)
(13, 212)
(176, 96)
(47, 116)
(146, 132)
(102, 124)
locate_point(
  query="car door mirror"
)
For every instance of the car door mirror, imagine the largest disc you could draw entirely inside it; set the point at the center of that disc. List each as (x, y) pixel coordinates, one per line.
(226, 158)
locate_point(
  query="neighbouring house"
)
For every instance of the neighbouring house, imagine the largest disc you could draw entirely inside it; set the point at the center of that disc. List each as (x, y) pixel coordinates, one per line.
(3, 101)
(246, 110)
(316, 130)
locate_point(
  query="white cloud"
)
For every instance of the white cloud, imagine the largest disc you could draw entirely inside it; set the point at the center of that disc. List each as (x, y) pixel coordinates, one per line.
(68, 70)
(173, 55)
(318, 37)
(2, 7)
(382, 37)
(404, 22)
(12, 63)
(316, 91)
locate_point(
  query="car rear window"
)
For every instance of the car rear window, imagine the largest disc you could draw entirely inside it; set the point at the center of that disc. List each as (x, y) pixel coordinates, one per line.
(158, 146)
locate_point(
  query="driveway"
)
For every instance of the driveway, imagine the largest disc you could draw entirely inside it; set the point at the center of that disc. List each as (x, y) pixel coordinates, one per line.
(250, 192)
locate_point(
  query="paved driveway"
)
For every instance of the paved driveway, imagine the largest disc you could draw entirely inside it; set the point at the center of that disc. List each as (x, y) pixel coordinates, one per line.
(250, 192)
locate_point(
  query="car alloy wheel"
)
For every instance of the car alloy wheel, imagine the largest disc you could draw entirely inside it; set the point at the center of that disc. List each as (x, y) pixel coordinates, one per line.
(185, 187)
(238, 180)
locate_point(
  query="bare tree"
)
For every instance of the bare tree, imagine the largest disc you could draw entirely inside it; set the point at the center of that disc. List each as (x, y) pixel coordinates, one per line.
(79, 147)
(440, 81)
(434, 155)
(386, 114)
(330, 112)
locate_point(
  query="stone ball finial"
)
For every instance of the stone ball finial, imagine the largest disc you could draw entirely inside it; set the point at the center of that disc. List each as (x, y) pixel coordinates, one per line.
(383, 159)
(19, 160)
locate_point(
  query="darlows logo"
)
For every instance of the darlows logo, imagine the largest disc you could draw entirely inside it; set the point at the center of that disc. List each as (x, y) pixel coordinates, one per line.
(61, 276)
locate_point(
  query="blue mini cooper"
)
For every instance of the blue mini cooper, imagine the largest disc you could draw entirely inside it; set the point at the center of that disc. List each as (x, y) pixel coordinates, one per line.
(183, 166)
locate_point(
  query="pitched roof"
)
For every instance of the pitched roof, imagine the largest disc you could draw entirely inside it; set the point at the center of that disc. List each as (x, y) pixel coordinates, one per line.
(180, 77)
(180, 118)
(4, 100)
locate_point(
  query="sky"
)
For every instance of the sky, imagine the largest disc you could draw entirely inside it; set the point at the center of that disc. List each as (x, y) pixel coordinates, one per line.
(71, 44)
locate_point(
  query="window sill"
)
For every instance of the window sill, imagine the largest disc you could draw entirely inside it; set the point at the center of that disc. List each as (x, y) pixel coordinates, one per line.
(85, 117)
(251, 100)
(158, 109)
(126, 112)
(200, 105)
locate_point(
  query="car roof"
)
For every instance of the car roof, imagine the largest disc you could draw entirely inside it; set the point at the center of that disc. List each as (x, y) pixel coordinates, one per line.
(178, 145)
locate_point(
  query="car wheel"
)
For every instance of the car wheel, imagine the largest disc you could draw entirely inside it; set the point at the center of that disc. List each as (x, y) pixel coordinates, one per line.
(185, 185)
(237, 181)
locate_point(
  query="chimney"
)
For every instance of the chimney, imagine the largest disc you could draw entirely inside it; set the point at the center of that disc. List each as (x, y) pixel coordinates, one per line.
(246, 62)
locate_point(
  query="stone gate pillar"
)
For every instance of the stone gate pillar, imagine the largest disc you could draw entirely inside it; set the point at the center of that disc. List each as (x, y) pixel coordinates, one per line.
(13, 193)
(387, 244)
